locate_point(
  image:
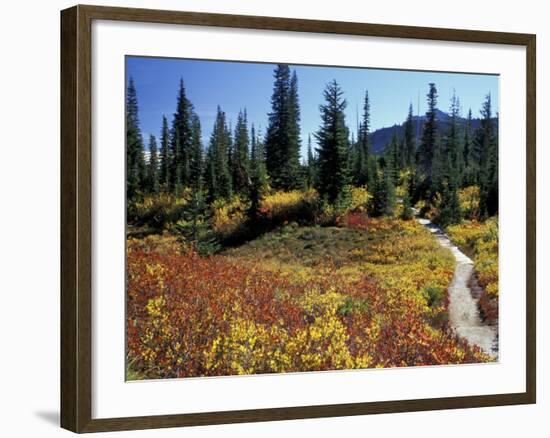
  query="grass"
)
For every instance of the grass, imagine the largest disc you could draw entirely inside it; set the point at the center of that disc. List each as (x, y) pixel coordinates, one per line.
(306, 246)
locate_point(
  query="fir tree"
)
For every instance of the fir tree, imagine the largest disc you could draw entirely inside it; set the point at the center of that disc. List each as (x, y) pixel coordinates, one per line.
(486, 152)
(311, 165)
(153, 166)
(135, 161)
(164, 168)
(195, 210)
(196, 159)
(258, 174)
(389, 191)
(448, 168)
(277, 131)
(407, 212)
(363, 173)
(257, 159)
(283, 133)
(383, 201)
(426, 149)
(332, 139)
(175, 162)
(239, 159)
(440, 167)
(293, 171)
(409, 139)
(453, 145)
(218, 176)
(469, 161)
(392, 156)
(450, 207)
(181, 138)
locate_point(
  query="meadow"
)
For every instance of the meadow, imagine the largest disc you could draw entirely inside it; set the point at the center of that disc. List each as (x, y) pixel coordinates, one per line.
(353, 292)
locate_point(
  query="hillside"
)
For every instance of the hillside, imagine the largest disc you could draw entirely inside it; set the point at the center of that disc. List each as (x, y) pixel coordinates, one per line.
(382, 136)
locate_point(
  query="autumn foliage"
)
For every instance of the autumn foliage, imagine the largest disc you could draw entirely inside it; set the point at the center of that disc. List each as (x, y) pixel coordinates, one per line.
(253, 310)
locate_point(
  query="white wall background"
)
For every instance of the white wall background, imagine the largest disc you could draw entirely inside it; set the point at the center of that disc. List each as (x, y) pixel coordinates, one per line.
(29, 215)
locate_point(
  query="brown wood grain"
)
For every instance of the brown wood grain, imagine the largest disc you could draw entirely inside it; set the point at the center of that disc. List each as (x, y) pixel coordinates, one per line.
(76, 222)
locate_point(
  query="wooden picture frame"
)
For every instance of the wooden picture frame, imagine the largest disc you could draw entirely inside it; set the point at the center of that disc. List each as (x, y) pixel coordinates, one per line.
(76, 217)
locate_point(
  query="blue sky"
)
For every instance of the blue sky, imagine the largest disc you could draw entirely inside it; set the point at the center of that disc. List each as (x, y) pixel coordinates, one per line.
(239, 85)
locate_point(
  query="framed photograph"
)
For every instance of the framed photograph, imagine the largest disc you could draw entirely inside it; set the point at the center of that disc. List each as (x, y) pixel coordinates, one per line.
(269, 218)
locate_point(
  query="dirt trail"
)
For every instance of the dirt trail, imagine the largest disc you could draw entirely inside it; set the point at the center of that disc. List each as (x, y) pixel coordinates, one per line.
(463, 310)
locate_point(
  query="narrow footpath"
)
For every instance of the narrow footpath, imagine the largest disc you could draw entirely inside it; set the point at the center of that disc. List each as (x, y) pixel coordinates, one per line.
(464, 315)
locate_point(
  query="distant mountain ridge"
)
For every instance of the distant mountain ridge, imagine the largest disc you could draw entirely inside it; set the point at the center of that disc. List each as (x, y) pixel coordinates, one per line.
(381, 137)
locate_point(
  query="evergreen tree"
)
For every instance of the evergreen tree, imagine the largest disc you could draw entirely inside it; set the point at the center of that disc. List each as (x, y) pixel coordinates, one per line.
(389, 191)
(153, 166)
(332, 139)
(283, 132)
(492, 198)
(277, 131)
(426, 149)
(293, 171)
(486, 152)
(218, 176)
(196, 159)
(135, 161)
(181, 139)
(194, 212)
(448, 169)
(378, 199)
(164, 169)
(230, 153)
(363, 171)
(392, 156)
(384, 200)
(409, 139)
(402, 154)
(441, 165)
(175, 162)
(258, 174)
(450, 206)
(468, 154)
(257, 159)
(239, 159)
(407, 212)
(453, 145)
(311, 165)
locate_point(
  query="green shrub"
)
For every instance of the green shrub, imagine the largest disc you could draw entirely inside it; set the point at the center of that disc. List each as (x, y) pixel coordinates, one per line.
(434, 295)
(158, 211)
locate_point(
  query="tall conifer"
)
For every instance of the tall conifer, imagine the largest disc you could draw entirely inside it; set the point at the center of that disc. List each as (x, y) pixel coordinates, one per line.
(218, 175)
(470, 163)
(283, 132)
(153, 166)
(181, 138)
(135, 161)
(196, 155)
(240, 156)
(332, 139)
(258, 174)
(363, 172)
(311, 165)
(486, 151)
(409, 139)
(293, 170)
(427, 147)
(164, 168)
